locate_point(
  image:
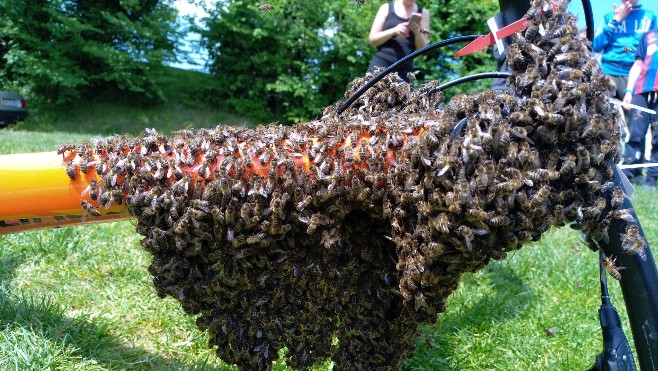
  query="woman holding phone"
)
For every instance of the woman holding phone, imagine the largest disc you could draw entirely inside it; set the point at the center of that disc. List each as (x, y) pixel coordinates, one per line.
(396, 32)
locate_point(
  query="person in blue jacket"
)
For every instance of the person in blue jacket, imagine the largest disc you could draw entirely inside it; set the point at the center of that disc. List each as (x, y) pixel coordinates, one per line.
(618, 37)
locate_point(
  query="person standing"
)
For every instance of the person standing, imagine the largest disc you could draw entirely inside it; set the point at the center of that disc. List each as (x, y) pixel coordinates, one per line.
(643, 80)
(617, 39)
(395, 34)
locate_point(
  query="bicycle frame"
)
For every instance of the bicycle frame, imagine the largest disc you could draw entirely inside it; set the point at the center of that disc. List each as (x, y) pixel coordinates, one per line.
(639, 283)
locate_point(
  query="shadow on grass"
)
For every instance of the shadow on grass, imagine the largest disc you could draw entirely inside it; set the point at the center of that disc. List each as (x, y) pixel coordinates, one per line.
(488, 299)
(36, 331)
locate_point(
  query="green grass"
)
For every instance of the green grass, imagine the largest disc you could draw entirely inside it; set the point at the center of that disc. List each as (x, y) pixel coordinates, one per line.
(81, 298)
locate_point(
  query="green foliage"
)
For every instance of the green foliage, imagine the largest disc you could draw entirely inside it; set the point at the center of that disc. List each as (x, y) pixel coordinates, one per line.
(290, 62)
(112, 113)
(452, 18)
(60, 50)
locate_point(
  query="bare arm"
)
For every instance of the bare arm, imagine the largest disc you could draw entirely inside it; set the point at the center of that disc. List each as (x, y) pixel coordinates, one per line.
(420, 37)
(378, 35)
(633, 75)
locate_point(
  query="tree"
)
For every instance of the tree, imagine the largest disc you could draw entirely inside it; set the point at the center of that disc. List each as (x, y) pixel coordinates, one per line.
(288, 63)
(59, 50)
(452, 18)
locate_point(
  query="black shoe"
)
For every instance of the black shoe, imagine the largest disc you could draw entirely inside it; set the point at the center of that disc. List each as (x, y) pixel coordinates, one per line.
(649, 183)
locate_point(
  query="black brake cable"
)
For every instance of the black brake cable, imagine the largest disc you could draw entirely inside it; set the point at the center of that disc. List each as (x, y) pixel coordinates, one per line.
(400, 62)
(473, 77)
(617, 353)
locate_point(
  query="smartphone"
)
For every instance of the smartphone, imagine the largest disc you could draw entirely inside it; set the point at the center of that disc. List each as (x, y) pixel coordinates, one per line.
(415, 18)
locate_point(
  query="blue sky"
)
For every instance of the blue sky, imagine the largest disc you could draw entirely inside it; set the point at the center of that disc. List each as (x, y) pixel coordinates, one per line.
(200, 57)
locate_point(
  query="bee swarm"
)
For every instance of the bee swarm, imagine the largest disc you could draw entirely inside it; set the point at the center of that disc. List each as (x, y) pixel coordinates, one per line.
(358, 226)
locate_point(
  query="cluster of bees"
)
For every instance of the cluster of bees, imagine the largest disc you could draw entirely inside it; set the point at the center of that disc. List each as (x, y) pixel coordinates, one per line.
(335, 238)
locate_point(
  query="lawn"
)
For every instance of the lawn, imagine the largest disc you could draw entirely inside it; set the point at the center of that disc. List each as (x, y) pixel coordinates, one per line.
(81, 298)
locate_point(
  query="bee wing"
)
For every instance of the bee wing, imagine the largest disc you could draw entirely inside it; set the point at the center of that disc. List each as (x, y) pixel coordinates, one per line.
(109, 203)
(625, 215)
(607, 186)
(442, 171)
(642, 254)
(480, 232)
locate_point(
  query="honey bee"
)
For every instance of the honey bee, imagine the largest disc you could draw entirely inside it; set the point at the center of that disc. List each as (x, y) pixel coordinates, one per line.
(92, 189)
(549, 331)
(84, 148)
(629, 238)
(64, 149)
(71, 169)
(486, 175)
(572, 212)
(524, 236)
(469, 234)
(617, 198)
(583, 157)
(517, 61)
(568, 73)
(182, 186)
(538, 175)
(260, 238)
(558, 214)
(611, 268)
(500, 220)
(204, 169)
(540, 196)
(463, 194)
(508, 187)
(314, 221)
(521, 118)
(425, 31)
(176, 172)
(531, 31)
(542, 67)
(301, 205)
(568, 165)
(440, 223)
(595, 210)
(566, 29)
(622, 214)
(117, 196)
(594, 126)
(364, 194)
(88, 209)
(265, 7)
(474, 214)
(590, 66)
(432, 250)
(638, 248)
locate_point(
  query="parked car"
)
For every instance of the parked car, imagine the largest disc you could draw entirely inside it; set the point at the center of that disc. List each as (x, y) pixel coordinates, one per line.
(13, 108)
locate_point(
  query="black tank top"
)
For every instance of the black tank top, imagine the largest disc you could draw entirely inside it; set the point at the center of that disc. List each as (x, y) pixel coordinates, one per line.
(396, 47)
